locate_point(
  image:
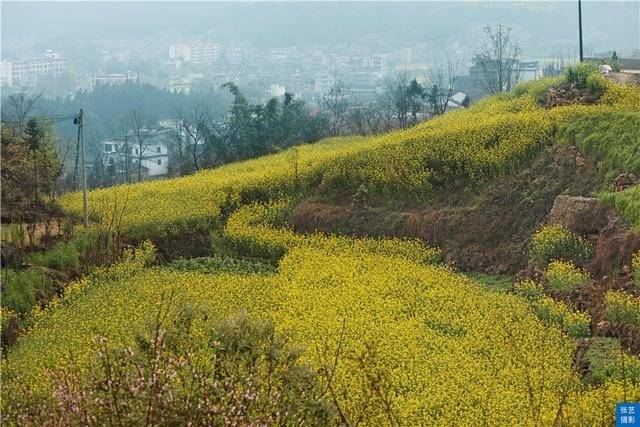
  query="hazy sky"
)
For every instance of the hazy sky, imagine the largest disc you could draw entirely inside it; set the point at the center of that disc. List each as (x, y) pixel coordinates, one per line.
(607, 25)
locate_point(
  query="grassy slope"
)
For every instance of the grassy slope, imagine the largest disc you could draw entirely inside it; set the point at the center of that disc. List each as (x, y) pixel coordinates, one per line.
(612, 140)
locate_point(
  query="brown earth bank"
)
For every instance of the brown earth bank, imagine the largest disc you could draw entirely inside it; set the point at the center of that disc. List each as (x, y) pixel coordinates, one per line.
(489, 233)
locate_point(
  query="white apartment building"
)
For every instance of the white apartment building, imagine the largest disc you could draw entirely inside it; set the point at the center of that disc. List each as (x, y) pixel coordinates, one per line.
(26, 72)
(102, 79)
(234, 55)
(195, 52)
(6, 73)
(276, 90)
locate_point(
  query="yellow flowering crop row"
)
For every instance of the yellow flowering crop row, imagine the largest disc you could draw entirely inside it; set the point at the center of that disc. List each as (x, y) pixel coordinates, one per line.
(260, 231)
(491, 137)
(417, 344)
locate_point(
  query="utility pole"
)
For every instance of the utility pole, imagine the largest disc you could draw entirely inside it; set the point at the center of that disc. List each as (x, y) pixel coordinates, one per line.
(580, 29)
(79, 120)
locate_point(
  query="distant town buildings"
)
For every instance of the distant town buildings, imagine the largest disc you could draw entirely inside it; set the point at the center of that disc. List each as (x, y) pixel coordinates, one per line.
(26, 72)
(183, 86)
(102, 79)
(186, 65)
(196, 52)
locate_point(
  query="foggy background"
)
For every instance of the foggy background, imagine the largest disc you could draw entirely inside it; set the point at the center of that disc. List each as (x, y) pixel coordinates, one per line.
(538, 25)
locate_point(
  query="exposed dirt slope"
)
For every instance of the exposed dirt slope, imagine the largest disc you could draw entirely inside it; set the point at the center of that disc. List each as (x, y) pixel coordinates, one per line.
(490, 233)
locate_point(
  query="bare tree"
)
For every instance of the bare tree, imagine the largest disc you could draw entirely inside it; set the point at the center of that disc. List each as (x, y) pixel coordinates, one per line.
(142, 132)
(121, 134)
(356, 121)
(374, 118)
(17, 107)
(195, 125)
(337, 104)
(385, 111)
(177, 148)
(397, 97)
(444, 78)
(96, 148)
(499, 58)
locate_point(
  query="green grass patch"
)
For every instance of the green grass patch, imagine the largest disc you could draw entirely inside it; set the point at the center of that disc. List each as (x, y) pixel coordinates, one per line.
(626, 203)
(611, 140)
(492, 282)
(219, 264)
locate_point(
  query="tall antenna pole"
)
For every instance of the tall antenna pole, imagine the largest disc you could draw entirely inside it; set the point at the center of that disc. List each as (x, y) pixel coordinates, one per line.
(580, 29)
(83, 170)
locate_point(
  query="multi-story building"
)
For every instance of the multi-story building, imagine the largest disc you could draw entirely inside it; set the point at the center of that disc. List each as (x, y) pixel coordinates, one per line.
(26, 72)
(234, 55)
(195, 52)
(102, 79)
(379, 63)
(276, 90)
(6, 73)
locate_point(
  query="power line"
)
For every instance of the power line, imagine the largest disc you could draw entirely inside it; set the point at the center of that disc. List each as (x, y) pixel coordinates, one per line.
(53, 117)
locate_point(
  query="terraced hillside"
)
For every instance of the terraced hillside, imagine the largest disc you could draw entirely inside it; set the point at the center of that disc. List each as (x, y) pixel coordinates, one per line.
(389, 333)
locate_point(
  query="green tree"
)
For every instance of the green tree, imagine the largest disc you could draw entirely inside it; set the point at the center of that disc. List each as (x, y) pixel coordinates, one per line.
(30, 169)
(416, 95)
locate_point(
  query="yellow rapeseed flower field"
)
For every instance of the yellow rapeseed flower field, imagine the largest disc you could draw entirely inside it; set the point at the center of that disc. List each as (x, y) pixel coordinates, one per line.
(417, 344)
(493, 136)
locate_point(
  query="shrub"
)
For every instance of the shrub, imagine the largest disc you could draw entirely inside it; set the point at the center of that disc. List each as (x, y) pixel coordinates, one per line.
(554, 242)
(5, 317)
(596, 85)
(565, 276)
(579, 74)
(537, 90)
(69, 256)
(62, 257)
(529, 289)
(622, 308)
(635, 267)
(236, 372)
(607, 362)
(21, 289)
(575, 324)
